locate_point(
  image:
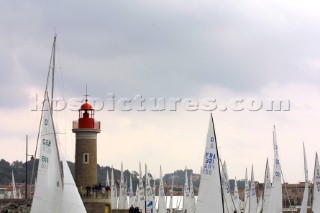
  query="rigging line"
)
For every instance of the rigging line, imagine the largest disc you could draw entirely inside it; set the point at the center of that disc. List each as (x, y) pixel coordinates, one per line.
(44, 96)
(46, 90)
(53, 69)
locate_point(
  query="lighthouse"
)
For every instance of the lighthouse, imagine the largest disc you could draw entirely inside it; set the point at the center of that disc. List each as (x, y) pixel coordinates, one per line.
(86, 129)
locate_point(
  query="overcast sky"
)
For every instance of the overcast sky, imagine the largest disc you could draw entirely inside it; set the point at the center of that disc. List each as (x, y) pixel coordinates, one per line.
(223, 50)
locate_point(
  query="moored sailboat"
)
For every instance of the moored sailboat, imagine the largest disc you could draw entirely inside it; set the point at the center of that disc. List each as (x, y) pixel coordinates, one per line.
(247, 193)
(162, 208)
(267, 188)
(171, 196)
(316, 187)
(210, 197)
(107, 179)
(142, 197)
(236, 197)
(114, 196)
(123, 192)
(131, 197)
(229, 203)
(304, 204)
(259, 207)
(186, 193)
(14, 190)
(275, 202)
(136, 197)
(253, 195)
(192, 199)
(149, 196)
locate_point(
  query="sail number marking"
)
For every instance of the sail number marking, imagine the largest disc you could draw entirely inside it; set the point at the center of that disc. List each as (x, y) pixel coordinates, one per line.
(46, 146)
(247, 189)
(253, 191)
(46, 142)
(45, 129)
(44, 162)
(212, 142)
(209, 163)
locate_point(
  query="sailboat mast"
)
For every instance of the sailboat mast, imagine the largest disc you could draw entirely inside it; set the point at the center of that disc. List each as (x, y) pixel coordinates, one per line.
(53, 68)
(218, 164)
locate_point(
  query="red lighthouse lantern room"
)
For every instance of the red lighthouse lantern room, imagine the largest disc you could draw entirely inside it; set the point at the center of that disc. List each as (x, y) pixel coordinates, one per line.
(86, 118)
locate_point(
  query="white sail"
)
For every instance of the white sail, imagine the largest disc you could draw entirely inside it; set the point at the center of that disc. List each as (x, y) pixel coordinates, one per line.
(126, 193)
(113, 192)
(136, 198)
(154, 193)
(253, 195)
(107, 179)
(275, 203)
(267, 188)
(14, 190)
(316, 187)
(171, 196)
(131, 197)
(304, 204)
(48, 189)
(162, 208)
(123, 194)
(229, 204)
(236, 197)
(210, 195)
(71, 200)
(186, 193)
(19, 193)
(247, 193)
(142, 198)
(192, 199)
(55, 189)
(259, 208)
(149, 196)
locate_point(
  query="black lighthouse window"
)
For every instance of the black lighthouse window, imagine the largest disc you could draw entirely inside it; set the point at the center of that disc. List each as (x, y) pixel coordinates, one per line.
(85, 158)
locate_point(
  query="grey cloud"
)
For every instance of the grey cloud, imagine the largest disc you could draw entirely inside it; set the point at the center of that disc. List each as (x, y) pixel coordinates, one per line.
(136, 47)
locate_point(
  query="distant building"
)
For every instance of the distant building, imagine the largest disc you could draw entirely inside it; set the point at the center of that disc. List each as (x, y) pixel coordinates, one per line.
(291, 193)
(295, 194)
(3, 193)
